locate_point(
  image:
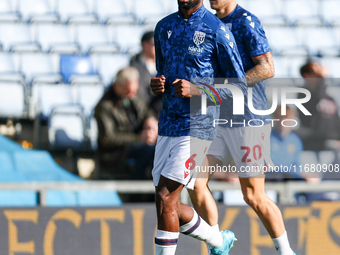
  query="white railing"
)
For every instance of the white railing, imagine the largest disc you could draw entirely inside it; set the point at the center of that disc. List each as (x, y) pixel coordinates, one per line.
(285, 190)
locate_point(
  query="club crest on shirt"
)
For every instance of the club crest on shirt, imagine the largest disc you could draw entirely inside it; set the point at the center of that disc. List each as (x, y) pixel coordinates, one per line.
(199, 37)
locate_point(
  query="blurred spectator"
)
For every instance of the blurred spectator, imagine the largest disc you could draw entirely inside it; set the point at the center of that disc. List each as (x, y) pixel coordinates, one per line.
(145, 63)
(127, 129)
(286, 148)
(324, 123)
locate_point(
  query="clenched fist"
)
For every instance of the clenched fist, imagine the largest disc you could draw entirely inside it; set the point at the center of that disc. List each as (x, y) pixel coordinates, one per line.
(158, 84)
(184, 88)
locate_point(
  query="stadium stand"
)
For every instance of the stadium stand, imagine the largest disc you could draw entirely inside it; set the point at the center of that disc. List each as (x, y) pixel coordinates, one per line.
(7, 13)
(36, 11)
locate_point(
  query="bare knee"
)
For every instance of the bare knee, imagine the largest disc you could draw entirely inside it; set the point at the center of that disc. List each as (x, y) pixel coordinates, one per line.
(200, 188)
(166, 202)
(255, 201)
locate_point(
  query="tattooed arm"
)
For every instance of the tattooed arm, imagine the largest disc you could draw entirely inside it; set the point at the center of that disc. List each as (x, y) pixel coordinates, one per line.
(263, 69)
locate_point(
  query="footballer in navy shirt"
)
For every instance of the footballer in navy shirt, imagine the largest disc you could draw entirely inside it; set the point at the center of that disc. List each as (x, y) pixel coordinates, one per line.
(247, 144)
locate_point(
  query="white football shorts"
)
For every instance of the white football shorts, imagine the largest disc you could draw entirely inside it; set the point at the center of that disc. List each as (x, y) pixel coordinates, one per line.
(176, 158)
(249, 147)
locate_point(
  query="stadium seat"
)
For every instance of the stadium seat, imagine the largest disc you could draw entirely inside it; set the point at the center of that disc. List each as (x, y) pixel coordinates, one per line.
(281, 67)
(286, 41)
(7, 13)
(75, 11)
(36, 11)
(309, 157)
(129, 37)
(109, 65)
(326, 157)
(78, 69)
(321, 41)
(12, 100)
(295, 64)
(149, 11)
(330, 12)
(115, 12)
(56, 38)
(17, 37)
(302, 12)
(8, 72)
(61, 198)
(45, 97)
(67, 127)
(268, 11)
(88, 95)
(38, 68)
(95, 39)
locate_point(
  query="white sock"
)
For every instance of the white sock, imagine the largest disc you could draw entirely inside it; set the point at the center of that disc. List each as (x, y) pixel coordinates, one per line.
(166, 242)
(282, 245)
(217, 227)
(201, 230)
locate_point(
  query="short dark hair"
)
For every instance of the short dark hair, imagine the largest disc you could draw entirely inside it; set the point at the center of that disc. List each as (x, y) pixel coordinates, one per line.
(308, 67)
(147, 36)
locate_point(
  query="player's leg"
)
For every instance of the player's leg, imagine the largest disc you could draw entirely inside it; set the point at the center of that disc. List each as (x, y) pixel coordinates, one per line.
(201, 197)
(171, 214)
(268, 212)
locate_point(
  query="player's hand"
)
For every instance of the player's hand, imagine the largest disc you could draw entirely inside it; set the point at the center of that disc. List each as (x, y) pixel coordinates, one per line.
(184, 88)
(157, 84)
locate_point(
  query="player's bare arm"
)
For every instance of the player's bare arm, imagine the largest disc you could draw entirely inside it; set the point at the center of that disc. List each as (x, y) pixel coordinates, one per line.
(263, 69)
(184, 88)
(157, 84)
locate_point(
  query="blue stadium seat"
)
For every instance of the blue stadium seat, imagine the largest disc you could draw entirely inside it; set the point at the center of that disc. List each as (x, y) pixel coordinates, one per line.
(36, 11)
(321, 41)
(38, 68)
(268, 11)
(109, 65)
(75, 11)
(78, 69)
(61, 198)
(45, 97)
(17, 37)
(330, 12)
(302, 12)
(56, 38)
(149, 11)
(128, 37)
(95, 39)
(88, 95)
(18, 198)
(8, 72)
(7, 13)
(67, 127)
(286, 41)
(12, 100)
(115, 12)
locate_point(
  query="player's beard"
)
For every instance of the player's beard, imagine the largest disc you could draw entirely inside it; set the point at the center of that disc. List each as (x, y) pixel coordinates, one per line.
(188, 5)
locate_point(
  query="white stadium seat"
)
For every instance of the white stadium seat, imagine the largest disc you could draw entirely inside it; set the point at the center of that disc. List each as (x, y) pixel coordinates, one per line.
(66, 128)
(95, 39)
(330, 12)
(88, 95)
(38, 67)
(149, 11)
(12, 100)
(75, 11)
(286, 41)
(268, 11)
(7, 13)
(17, 37)
(321, 41)
(115, 12)
(302, 12)
(129, 37)
(8, 72)
(56, 38)
(50, 96)
(281, 67)
(333, 65)
(109, 65)
(36, 11)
